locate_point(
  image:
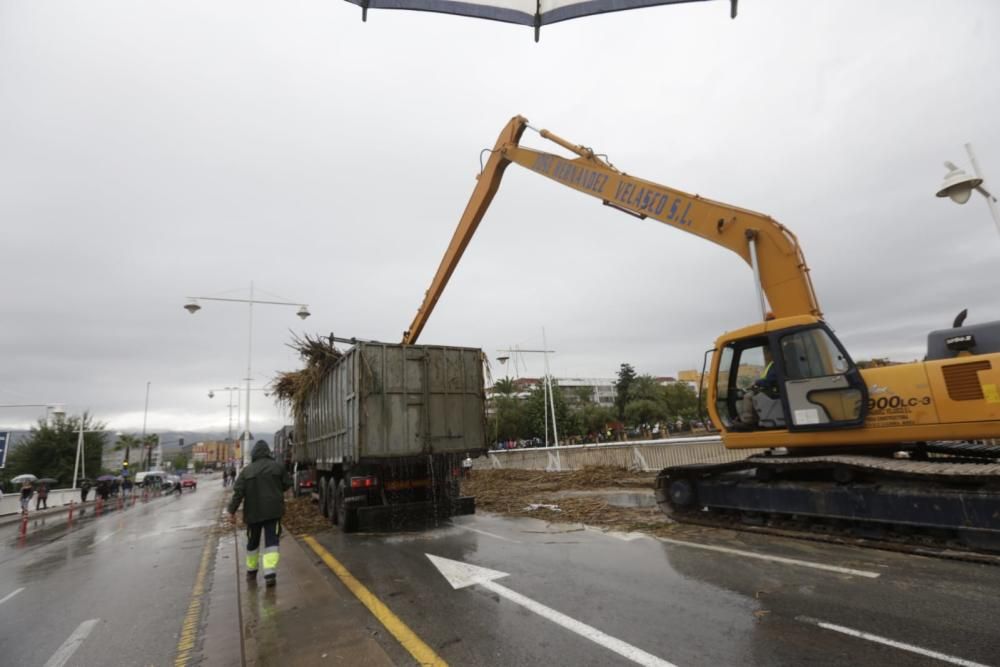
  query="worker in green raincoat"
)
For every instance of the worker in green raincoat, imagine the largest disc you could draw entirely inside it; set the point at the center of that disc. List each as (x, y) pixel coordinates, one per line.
(261, 488)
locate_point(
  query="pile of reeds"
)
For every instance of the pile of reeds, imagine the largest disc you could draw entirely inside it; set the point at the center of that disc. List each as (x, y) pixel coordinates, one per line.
(319, 355)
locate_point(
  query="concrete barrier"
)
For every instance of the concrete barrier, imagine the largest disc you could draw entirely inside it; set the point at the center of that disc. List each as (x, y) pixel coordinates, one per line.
(11, 503)
(640, 455)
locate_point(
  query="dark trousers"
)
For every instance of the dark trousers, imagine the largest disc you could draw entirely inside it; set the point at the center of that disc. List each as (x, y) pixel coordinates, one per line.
(271, 530)
(41, 500)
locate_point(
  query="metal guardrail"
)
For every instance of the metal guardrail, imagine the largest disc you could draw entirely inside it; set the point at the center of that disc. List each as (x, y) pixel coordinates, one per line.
(640, 455)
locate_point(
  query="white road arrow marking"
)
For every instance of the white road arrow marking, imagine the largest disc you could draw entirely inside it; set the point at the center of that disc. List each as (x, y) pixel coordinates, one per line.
(462, 575)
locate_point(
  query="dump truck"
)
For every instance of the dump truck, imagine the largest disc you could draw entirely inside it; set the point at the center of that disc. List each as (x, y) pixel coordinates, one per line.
(385, 431)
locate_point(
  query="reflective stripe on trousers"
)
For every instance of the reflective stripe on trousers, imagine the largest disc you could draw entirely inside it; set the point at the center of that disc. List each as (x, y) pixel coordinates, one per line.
(270, 560)
(253, 559)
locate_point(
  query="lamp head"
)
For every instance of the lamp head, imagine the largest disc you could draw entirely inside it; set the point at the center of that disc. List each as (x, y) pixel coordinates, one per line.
(57, 411)
(303, 312)
(192, 307)
(503, 360)
(958, 185)
(211, 394)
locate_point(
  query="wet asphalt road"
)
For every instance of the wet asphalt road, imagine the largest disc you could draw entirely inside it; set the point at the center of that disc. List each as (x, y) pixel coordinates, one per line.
(683, 604)
(124, 580)
(121, 581)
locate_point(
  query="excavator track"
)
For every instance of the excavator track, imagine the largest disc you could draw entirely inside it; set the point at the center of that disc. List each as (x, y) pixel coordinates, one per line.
(946, 506)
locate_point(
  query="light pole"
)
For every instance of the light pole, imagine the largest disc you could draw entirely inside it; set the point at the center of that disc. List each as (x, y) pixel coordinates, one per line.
(958, 185)
(192, 307)
(548, 398)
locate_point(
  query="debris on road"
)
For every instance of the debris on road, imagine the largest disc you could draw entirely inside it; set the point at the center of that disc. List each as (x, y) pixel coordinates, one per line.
(579, 496)
(302, 517)
(542, 506)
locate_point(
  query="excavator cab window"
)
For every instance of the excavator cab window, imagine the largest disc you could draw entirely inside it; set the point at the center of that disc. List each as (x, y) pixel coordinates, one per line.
(748, 387)
(821, 384)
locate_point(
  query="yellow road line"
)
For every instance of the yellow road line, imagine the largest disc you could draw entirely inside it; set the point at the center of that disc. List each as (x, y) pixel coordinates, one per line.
(189, 628)
(420, 651)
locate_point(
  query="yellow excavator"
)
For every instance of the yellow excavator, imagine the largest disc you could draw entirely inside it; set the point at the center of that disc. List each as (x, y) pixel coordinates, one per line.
(894, 453)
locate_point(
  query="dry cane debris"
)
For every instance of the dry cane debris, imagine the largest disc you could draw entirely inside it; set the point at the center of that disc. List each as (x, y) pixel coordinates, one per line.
(532, 492)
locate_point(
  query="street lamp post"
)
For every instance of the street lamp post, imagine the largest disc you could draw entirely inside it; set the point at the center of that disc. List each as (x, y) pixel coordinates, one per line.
(548, 399)
(193, 307)
(958, 185)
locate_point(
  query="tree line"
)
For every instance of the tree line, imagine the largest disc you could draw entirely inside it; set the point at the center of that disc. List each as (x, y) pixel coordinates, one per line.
(642, 405)
(49, 450)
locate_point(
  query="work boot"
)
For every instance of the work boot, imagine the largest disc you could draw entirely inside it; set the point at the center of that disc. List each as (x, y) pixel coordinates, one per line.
(271, 579)
(251, 575)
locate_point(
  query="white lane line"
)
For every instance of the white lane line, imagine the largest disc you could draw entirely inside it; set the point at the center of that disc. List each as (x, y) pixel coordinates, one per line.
(775, 559)
(108, 536)
(890, 642)
(10, 595)
(69, 647)
(488, 534)
(636, 655)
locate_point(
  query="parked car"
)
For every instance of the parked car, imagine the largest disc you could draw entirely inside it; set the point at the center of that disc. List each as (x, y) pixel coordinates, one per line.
(189, 482)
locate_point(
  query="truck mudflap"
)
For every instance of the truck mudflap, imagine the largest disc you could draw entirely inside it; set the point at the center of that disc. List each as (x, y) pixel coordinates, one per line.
(387, 517)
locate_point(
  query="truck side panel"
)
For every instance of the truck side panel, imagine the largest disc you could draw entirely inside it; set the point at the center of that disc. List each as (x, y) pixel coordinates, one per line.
(385, 401)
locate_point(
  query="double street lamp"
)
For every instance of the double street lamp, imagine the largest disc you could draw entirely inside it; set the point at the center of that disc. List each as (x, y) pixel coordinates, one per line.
(192, 306)
(958, 185)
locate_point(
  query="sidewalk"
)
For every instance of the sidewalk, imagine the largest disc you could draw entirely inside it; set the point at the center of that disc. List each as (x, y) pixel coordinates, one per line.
(306, 619)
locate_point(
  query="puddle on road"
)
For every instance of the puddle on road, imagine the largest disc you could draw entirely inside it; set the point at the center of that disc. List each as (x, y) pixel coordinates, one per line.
(614, 497)
(632, 500)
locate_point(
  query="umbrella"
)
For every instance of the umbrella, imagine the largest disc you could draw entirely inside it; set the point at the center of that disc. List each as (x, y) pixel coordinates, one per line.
(46, 480)
(534, 13)
(106, 478)
(21, 479)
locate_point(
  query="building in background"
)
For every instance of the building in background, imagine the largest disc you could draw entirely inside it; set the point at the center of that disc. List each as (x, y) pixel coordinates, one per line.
(599, 391)
(215, 453)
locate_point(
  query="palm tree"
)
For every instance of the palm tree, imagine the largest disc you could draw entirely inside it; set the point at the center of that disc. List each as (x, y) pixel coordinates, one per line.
(504, 387)
(149, 442)
(126, 442)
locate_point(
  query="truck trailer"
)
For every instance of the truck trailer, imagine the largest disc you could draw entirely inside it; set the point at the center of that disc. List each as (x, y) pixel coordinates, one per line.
(383, 434)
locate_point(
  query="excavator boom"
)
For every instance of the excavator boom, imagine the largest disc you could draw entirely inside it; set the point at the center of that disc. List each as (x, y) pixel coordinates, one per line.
(770, 248)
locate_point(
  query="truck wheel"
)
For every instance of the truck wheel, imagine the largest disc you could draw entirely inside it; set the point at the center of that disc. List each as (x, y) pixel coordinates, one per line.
(324, 494)
(347, 517)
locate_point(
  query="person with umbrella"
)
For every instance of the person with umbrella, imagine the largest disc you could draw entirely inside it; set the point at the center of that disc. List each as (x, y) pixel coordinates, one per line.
(84, 490)
(104, 486)
(26, 491)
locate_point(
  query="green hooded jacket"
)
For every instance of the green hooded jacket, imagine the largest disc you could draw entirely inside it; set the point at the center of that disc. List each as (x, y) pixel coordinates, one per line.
(262, 485)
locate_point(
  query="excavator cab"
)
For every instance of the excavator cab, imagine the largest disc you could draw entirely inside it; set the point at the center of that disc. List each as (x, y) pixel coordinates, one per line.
(796, 377)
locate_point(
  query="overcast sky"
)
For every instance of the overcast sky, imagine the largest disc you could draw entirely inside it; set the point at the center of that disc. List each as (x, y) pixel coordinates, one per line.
(155, 150)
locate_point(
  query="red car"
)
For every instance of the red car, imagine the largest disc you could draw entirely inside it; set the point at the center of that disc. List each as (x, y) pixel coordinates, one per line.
(189, 483)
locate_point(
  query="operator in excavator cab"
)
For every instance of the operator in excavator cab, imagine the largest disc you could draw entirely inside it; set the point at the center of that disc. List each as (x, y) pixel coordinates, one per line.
(762, 396)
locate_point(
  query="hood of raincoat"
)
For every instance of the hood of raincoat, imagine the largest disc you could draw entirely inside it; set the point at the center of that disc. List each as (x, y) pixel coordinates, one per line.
(260, 450)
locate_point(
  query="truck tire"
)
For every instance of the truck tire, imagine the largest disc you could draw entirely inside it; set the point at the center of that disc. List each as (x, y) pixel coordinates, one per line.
(324, 495)
(347, 516)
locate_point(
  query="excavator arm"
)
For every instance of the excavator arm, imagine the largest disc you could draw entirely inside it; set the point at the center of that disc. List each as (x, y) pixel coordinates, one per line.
(770, 249)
